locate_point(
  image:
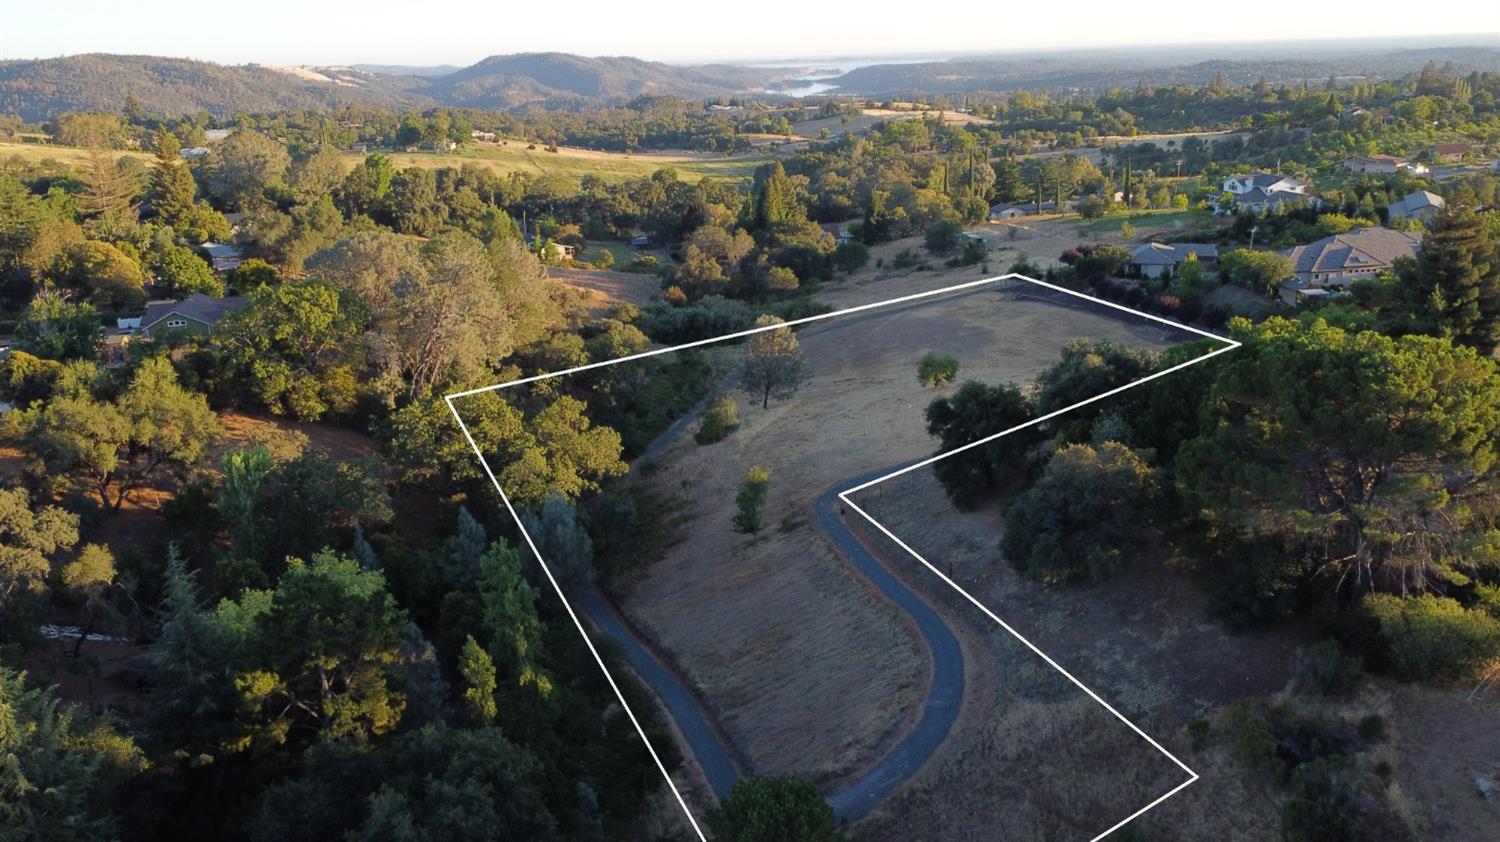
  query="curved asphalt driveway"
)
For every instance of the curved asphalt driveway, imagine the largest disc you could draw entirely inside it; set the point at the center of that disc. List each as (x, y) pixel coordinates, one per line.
(708, 742)
(709, 745)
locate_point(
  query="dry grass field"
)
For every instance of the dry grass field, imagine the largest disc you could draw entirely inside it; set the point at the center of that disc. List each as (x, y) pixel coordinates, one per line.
(515, 157)
(808, 668)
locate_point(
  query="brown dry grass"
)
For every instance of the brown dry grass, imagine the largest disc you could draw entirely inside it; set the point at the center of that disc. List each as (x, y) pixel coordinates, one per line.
(809, 669)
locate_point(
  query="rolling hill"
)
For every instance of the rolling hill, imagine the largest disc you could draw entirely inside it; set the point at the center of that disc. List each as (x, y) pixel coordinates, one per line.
(42, 88)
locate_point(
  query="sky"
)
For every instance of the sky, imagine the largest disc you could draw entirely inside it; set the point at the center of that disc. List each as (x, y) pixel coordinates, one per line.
(460, 32)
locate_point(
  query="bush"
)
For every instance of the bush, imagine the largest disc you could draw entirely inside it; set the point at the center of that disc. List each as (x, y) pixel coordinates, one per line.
(1322, 805)
(710, 316)
(1432, 637)
(944, 237)
(935, 369)
(721, 419)
(750, 503)
(1326, 668)
(851, 256)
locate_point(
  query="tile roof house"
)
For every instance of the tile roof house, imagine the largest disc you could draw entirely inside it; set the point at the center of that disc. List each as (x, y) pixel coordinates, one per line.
(1333, 263)
(1152, 260)
(197, 314)
(1421, 205)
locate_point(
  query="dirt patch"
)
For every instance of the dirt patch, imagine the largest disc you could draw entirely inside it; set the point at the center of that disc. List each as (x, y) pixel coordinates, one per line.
(808, 668)
(603, 289)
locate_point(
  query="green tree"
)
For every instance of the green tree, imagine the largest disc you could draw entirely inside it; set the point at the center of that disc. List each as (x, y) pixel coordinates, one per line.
(239, 491)
(1254, 269)
(116, 448)
(431, 783)
(478, 672)
(1085, 516)
(54, 328)
(720, 419)
(321, 655)
(976, 412)
(510, 617)
(774, 809)
(774, 366)
(562, 541)
(182, 272)
(1452, 287)
(59, 768)
(89, 578)
(101, 271)
(173, 190)
(296, 347)
(28, 541)
(247, 163)
(1366, 450)
(944, 237)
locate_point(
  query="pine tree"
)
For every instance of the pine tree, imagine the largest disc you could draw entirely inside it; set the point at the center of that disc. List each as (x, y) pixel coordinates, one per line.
(362, 551)
(172, 187)
(108, 190)
(478, 672)
(1452, 288)
(462, 550)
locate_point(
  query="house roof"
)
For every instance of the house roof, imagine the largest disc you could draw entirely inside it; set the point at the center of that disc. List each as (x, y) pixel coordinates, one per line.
(198, 307)
(1264, 179)
(1414, 202)
(1452, 148)
(1262, 196)
(1362, 248)
(1374, 159)
(1165, 254)
(222, 249)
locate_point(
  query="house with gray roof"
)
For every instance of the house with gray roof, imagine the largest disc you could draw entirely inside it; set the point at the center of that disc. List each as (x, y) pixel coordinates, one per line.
(1333, 263)
(196, 314)
(1152, 260)
(1265, 192)
(1421, 205)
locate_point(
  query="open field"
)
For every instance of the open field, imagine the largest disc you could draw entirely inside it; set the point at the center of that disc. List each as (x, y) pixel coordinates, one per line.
(1094, 151)
(807, 668)
(567, 162)
(573, 163)
(603, 289)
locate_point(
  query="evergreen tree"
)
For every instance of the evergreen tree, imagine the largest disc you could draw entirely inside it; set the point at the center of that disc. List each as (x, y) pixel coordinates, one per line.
(515, 629)
(108, 190)
(1452, 288)
(564, 544)
(172, 187)
(462, 551)
(478, 672)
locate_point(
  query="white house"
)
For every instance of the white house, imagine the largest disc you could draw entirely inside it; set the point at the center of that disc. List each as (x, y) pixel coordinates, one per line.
(1244, 185)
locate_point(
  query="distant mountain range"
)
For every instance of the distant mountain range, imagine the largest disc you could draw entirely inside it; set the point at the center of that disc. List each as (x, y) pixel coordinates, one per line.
(42, 88)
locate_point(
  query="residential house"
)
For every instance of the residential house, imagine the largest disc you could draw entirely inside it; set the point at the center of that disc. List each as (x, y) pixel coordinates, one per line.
(640, 241)
(555, 250)
(1449, 153)
(484, 137)
(1011, 210)
(215, 135)
(115, 349)
(194, 152)
(1421, 205)
(1333, 263)
(1264, 192)
(196, 314)
(223, 256)
(1383, 164)
(839, 231)
(1152, 260)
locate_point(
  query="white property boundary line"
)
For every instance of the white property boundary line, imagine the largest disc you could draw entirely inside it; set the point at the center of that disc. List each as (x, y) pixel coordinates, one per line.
(1229, 345)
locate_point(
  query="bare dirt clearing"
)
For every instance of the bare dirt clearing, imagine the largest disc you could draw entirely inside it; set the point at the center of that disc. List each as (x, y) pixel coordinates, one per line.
(603, 289)
(809, 670)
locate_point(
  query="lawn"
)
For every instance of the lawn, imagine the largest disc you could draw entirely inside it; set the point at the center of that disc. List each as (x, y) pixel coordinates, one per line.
(1165, 218)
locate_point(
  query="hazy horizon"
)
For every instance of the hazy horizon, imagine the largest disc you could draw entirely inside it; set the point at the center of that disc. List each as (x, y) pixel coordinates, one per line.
(305, 34)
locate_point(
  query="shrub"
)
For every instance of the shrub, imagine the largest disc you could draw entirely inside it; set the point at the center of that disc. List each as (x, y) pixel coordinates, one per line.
(750, 503)
(1326, 668)
(721, 419)
(944, 236)
(1432, 637)
(935, 369)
